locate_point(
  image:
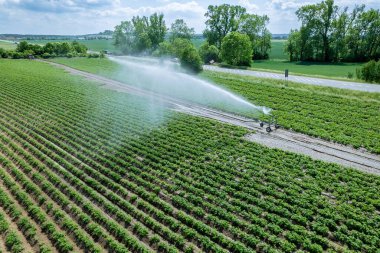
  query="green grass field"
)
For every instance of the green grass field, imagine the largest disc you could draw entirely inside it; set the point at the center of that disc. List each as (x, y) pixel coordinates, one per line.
(86, 169)
(277, 50)
(279, 61)
(327, 70)
(8, 45)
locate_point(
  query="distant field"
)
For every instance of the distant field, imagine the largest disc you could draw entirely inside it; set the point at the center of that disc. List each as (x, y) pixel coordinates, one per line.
(277, 51)
(339, 70)
(93, 45)
(8, 45)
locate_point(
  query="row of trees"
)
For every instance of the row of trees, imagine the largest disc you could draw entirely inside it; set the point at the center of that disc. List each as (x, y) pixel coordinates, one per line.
(150, 36)
(50, 49)
(146, 36)
(328, 33)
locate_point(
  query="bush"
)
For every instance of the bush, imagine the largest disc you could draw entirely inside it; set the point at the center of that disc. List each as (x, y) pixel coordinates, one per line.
(191, 60)
(46, 55)
(3, 53)
(209, 53)
(164, 49)
(16, 55)
(370, 72)
(237, 49)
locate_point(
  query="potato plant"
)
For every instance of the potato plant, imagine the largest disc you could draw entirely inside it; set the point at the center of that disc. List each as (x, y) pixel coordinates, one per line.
(94, 174)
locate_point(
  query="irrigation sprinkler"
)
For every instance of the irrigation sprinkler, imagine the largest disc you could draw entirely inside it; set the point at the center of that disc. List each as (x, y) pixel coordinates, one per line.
(272, 123)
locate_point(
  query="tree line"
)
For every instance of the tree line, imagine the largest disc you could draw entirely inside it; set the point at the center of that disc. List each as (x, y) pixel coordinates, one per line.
(226, 25)
(49, 50)
(332, 34)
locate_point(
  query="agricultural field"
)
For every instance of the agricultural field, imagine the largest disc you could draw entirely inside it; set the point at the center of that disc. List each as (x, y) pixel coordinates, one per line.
(8, 45)
(343, 116)
(82, 169)
(277, 50)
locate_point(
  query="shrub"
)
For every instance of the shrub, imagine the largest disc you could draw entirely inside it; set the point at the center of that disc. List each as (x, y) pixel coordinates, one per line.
(237, 49)
(209, 53)
(370, 72)
(191, 60)
(3, 53)
(46, 55)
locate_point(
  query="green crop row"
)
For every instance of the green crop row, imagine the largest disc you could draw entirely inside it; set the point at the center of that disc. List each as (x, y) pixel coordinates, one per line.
(88, 165)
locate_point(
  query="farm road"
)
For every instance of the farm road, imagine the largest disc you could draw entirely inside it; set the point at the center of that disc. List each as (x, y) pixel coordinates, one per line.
(281, 138)
(299, 79)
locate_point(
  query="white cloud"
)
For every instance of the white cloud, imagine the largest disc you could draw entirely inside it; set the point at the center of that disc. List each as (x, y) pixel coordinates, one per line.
(251, 7)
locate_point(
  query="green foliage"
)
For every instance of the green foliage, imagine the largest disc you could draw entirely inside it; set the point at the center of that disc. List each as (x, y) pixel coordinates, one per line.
(191, 60)
(112, 176)
(209, 53)
(140, 35)
(236, 49)
(324, 112)
(50, 49)
(221, 20)
(179, 29)
(329, 33)
(225, 18)
(370, 72)
(255, 27)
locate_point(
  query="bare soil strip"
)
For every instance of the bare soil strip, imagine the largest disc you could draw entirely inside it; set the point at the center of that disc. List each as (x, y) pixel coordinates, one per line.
(281, 139)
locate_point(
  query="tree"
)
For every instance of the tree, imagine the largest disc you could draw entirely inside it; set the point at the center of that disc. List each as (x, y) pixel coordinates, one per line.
(141, 34)
(255, 27)
(209, 52)
(237, 49)
(221, 20)
(190, 59)
(124, 37)
(141, 37)
(179, 45)
(179, 29)
(293, 45)
(156, 29)
(318, 19)
(328, 33)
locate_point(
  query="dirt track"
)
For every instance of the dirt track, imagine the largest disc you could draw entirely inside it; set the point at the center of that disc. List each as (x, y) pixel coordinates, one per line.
(281, 139)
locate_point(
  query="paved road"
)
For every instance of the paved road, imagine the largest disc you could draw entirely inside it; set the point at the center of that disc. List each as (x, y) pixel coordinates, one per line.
(300, 79)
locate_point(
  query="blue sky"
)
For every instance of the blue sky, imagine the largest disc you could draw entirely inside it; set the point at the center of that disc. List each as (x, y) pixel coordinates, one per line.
(92, 16)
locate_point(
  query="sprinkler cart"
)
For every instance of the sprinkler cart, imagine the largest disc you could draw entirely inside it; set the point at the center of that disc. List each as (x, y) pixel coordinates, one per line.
(271, 123)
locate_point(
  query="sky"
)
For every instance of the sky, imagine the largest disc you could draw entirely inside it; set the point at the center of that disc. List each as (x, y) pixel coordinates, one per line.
(75, 17)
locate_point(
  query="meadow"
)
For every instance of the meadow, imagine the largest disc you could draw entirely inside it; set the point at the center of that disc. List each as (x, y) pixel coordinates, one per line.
(279, 61)
(344, 116)
(8, 45)
(83, 170)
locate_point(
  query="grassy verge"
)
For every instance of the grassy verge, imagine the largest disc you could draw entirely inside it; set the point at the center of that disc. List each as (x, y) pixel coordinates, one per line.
(330, 70)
